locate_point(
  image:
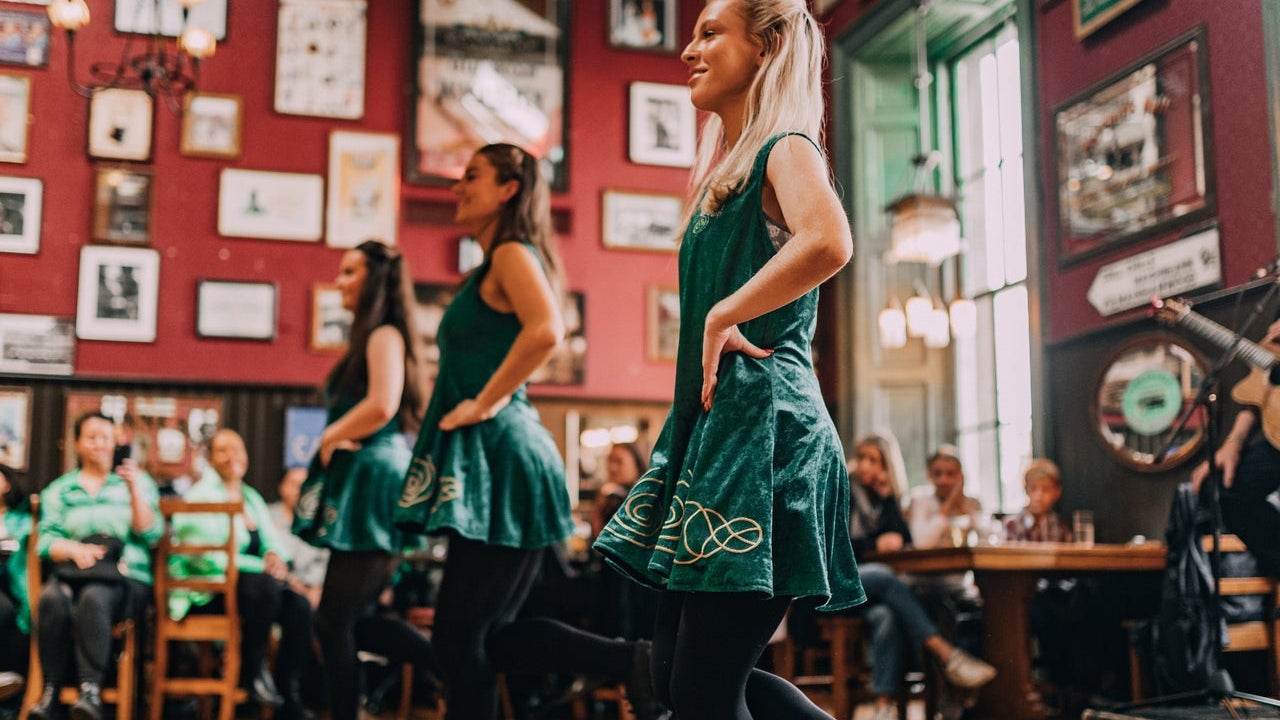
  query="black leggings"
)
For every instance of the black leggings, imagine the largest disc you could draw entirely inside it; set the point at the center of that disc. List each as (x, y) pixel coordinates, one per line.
(265, 601)
(705, 649)
(478, 635)
(351, 586)
(91, 609)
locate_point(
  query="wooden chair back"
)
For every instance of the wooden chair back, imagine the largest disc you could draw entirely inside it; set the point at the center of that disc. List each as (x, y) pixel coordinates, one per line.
(125, 692)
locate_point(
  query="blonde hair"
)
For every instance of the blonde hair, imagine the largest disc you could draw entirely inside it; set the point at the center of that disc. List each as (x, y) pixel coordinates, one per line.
(891, 454)
(1042, 468)
(794, 54)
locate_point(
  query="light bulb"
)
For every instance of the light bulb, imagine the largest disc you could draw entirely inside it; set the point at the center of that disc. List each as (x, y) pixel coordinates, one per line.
(893, 328)
(70, 15)
(964, 318)
(198, 42)
(937, 331)
(917, 307)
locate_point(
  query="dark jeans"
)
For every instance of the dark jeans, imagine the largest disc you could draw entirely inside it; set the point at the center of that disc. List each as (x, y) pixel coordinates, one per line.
(263, 602)
(90, 609)
(13, 644)
(1245, 509)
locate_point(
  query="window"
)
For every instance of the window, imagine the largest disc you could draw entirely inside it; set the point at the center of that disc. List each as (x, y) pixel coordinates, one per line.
(993, 368)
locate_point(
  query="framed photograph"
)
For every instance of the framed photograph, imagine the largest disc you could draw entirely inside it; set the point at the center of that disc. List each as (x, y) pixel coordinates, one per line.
(120, 123)
(118, 293)
(1132, 152)
(24, 37)
(330, 322)
(643, 24)
(662, 323)
(37, 345)
(15, 110)
(364, 188)
(488, 72)
(15, 426)
(272, 205)
(641, 220)
(1089, 15)
(168, 433)
(211, 125)
(20, 205)
(320, 58)
(663, 125)
(237, 310)
(139, 16)
(302, 427)
(122, 206)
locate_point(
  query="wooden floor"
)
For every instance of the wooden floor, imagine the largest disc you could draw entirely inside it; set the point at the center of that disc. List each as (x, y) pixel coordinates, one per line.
(915, 711)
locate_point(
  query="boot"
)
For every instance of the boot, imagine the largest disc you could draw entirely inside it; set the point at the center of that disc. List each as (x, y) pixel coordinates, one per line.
(48, 708)
(89, 706)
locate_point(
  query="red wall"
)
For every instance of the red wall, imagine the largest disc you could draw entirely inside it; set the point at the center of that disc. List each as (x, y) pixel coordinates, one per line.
(185, 205)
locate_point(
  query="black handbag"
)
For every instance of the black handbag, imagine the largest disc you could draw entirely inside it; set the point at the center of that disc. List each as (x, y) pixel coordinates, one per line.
(107, 569)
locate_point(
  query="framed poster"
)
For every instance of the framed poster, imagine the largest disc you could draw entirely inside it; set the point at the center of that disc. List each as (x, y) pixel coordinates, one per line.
(662, 326)
(37, 345)
(24, 37)
(1089, 15)
(21, 200)
(320, 58)
(15, 427)
(211, 125)
(302, 427)
(167, 432)
(236, 310)
(1132, 152)
(643, 24)
(641, 220)
(272, 205)
(364, 188)
(663, 126)
(15, 111)
(139, 16)
(122, 206)
(330, 322)
(120, 123)
(118, 294)
(488, 71)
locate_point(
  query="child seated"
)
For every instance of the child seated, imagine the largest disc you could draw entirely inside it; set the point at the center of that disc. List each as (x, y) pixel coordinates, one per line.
(1038, 522)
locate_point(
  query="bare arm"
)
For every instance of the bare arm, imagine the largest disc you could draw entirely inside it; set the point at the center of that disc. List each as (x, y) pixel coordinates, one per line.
(820, 245)
(522, 283)
(385, 358)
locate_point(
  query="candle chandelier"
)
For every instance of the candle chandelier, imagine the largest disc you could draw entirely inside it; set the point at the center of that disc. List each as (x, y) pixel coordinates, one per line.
(163, 70)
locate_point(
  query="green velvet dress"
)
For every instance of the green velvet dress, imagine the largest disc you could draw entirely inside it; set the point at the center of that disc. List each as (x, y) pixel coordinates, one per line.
(501, 481)
(752, 496)
(350, 504)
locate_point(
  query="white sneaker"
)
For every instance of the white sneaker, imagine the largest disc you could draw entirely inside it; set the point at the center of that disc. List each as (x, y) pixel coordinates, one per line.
(966, 671)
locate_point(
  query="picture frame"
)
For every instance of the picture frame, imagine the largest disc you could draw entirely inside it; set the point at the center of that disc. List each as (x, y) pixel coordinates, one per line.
(662, 325)
(212, 124)
(37, 345)
(1089, 15)
(330, 322)
(15, 426)
(118, 293)
(643, 25)
(25, 39)
(320, 58)
(270, 205)
(303, 425)
(662, 126)
(1132, 152)
(236, 310)
(21, 207)
(120, 124)
(641, 220)
(139, 16)
(504, 74)
(364, 188)
(15, 114)
(169, 433)
(122, 205)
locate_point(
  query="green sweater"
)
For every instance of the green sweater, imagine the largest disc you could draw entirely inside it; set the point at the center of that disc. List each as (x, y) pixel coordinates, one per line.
(69, 512)
(17, 525)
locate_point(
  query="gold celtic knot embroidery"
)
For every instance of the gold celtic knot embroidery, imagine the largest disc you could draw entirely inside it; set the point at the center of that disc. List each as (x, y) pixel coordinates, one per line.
(418, 484)
(707, 532)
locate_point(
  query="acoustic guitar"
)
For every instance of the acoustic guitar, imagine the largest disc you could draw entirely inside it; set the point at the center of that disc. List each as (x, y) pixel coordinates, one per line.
(1255, 389)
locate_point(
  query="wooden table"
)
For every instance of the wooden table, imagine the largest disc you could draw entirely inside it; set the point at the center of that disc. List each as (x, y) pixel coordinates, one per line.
(1006, 576)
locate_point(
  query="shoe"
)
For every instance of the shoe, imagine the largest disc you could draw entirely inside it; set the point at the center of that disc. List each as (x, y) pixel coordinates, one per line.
(263, 689)
(48, 708)
(11, 683)
(89, 706)
(639, 684)
(966, 671)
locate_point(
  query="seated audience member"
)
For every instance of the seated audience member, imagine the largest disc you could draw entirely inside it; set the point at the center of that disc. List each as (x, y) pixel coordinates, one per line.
(933, 509)
(97, 525)
(622, 608)
(15, 609)
(309, 562)
(1038, 522)
(263, 591)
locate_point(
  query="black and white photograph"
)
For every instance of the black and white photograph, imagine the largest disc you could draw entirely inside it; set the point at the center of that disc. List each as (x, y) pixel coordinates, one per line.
(270, 205)
(118, 294)
(37, 344)
(643, 25)
(122, 206)
(120, 121)
(236, 310)
(15, 116)
(641, 220)
(663, 127)
(20, 203)
(139, 16)
(330, 322)
(211, 126)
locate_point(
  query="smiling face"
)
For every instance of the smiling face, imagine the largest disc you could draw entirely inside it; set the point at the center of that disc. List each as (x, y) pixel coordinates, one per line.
(723, 58)
(946, 475)
(351, 274)
(480, 195)
(96, 444)
(228, 457)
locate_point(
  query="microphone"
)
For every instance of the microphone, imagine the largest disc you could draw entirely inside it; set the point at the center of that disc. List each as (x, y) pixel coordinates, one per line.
(1269, 269)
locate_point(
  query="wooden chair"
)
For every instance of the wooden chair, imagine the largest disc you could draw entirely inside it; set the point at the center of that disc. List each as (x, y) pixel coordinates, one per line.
(221, 627)
(125, 692)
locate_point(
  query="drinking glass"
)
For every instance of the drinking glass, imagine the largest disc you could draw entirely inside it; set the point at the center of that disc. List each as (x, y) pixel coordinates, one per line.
(1082, 527)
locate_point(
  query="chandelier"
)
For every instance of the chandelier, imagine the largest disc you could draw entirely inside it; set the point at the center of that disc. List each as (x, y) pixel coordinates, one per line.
(162, 71)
